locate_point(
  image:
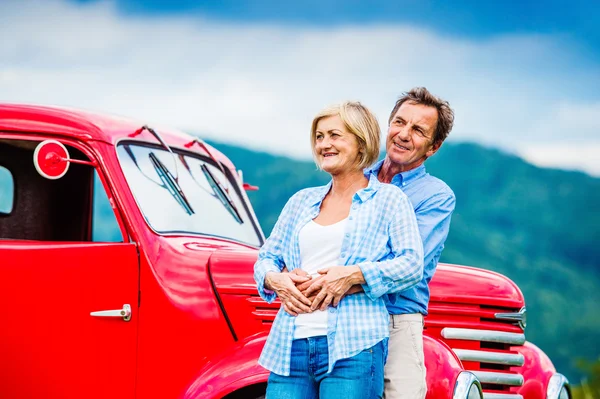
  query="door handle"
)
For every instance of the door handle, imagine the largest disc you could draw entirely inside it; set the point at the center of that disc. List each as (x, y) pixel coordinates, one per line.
(125, 313)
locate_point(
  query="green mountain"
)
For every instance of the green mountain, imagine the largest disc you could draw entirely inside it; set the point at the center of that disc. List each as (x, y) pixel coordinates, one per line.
(539, 227)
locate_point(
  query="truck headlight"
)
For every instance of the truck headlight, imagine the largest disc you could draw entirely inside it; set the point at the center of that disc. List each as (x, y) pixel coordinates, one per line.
(467, 387)
(558, 387)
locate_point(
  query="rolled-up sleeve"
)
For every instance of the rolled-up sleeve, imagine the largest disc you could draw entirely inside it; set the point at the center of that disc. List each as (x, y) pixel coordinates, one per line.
(404, 268)
(434, 217)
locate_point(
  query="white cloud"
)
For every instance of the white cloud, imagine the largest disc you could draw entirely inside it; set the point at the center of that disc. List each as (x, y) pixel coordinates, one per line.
(576, 157)
(260, 85)
(584, 117)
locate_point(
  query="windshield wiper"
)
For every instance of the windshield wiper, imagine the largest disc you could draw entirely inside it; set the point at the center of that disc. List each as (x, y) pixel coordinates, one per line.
(221, 194)
(162, 143)
(170, 183)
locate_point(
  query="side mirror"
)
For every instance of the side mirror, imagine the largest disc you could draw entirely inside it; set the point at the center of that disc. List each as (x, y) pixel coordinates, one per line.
(250, 187)
(51, 159)
(246, 186)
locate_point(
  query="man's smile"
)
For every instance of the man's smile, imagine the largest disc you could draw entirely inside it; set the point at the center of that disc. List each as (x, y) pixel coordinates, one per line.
(401, 147)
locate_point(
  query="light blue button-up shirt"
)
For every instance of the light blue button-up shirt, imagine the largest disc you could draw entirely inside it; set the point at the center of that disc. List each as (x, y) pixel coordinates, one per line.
(433, 202)
(381, 237)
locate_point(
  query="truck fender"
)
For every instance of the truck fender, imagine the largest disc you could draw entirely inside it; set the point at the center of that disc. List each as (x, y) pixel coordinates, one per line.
(235, 368)
(443, 368)
(536, 371)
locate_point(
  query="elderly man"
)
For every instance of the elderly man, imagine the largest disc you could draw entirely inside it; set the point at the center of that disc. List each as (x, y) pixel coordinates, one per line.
(418, 125)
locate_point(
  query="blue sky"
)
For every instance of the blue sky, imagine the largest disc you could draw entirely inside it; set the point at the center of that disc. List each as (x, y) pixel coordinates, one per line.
(523, 76)
(576, 19)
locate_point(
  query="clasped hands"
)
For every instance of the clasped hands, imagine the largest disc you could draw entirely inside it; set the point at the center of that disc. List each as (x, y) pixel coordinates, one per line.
(301, 293)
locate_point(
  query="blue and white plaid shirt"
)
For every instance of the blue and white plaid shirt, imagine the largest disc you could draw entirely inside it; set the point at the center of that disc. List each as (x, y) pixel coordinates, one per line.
(381, 237)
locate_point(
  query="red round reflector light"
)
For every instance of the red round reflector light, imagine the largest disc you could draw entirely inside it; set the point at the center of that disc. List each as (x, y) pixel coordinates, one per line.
(51, 159)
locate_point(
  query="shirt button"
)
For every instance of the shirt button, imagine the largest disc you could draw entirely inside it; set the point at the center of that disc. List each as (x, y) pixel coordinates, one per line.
(331, 310)
(350, 218)
(347, 235)
(343, 255)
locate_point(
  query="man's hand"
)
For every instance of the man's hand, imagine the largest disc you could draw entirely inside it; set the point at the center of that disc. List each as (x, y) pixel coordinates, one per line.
(284, 285)
(334, 283)
(304, 286)
(299, 272)
(354, 289)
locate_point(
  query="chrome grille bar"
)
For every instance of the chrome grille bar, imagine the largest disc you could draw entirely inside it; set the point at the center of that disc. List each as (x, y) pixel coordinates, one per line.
(502, 396)
(483, 335)
(510, 359)
(490, 377)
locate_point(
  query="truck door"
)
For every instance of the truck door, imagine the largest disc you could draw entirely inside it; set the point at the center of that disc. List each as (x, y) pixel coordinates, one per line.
(68, 283)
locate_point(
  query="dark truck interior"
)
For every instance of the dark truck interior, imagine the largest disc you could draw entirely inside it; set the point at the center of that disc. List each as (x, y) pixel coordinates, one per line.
(42, 209)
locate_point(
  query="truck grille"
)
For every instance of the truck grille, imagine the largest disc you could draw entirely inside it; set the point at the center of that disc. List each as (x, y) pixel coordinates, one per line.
(262, 311)
(483, 344)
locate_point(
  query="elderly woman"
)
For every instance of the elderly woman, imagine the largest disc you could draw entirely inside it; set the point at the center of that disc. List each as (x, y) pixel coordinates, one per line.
(354, 230)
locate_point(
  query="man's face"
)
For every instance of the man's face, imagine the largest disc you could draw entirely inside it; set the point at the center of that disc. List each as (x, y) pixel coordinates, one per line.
(410, 135)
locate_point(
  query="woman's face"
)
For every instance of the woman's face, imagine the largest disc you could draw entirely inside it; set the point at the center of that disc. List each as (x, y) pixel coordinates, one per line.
(337, 149)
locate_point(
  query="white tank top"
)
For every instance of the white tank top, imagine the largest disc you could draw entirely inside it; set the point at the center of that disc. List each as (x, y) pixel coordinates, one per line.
(320, 247)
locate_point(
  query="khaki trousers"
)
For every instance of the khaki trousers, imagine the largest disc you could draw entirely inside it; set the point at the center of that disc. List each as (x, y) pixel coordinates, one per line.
(404, 373)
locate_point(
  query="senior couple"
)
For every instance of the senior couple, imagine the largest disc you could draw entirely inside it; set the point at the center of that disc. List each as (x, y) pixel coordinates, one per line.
(351, 261)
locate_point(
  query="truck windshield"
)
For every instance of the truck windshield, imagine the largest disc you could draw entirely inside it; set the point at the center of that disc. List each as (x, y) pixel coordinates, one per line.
(201, 199)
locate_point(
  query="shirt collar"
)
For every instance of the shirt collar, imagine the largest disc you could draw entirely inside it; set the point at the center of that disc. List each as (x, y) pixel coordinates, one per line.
(370, 190)
(362, 194)
(412, 174)
(320, 193)
(402, 178)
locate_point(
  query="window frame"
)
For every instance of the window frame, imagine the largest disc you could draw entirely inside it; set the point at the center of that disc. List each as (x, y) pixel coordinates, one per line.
(90, 153)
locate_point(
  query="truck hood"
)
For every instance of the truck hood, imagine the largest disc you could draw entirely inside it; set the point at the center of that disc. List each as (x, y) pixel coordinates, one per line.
(463, 284)
(232, 272)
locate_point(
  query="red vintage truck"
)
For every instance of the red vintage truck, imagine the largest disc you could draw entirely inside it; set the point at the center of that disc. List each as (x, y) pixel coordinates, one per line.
(126, 257)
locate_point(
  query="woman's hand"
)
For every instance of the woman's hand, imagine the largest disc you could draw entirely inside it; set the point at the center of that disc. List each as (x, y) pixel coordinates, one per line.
(335, 282)
(303, 287)
(284, 285)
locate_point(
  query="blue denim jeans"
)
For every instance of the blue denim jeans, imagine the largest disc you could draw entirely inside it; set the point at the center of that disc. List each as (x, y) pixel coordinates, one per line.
(358, 377)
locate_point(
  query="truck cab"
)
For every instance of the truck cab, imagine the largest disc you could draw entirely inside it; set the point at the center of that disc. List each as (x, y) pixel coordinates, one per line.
(126, 263)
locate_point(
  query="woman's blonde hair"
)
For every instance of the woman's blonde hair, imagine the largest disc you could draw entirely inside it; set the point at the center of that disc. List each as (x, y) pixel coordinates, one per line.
(359, 121)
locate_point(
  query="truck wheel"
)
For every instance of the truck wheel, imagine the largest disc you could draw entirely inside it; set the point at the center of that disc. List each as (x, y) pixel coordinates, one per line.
(257, 391)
